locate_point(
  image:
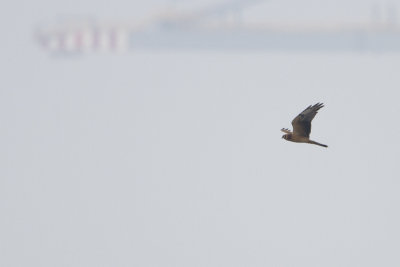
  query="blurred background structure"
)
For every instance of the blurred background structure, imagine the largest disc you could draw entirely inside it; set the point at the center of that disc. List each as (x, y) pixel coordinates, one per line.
(223, 26)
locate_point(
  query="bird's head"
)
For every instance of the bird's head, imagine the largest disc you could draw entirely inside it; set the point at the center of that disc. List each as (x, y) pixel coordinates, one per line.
(286, 136)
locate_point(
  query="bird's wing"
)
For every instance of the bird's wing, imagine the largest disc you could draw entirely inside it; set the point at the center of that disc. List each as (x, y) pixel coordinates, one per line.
(302, 123)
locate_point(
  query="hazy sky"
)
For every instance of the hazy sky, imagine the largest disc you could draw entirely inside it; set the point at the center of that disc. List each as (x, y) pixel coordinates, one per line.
(175, 158)
(26, 11)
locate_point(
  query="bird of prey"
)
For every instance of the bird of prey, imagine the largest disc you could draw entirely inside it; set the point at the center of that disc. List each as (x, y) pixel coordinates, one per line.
(302, 126)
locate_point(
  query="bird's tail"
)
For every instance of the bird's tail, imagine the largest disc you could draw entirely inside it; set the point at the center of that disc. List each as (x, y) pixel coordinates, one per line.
(316, 143)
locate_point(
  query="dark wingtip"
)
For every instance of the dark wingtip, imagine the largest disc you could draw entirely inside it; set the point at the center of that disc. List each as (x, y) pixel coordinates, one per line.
(319, 105)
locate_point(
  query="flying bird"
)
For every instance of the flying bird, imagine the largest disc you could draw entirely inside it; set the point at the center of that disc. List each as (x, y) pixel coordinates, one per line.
(302, 126)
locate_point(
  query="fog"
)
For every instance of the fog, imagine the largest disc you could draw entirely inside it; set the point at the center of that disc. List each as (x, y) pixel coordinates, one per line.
(174, 157)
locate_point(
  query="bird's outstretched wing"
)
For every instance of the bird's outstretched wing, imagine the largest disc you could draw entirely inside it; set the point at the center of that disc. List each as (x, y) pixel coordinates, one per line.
(302, 123)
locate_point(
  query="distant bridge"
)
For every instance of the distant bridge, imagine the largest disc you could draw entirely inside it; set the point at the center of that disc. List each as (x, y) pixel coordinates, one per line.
(190, 31)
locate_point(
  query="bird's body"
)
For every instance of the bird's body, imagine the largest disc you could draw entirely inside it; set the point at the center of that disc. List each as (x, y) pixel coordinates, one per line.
(302, 126)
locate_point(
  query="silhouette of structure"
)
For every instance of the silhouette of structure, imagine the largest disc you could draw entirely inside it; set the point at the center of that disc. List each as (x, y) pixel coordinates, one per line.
(208, 29)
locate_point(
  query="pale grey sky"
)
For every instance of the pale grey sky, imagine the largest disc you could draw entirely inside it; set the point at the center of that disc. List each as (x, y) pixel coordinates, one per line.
(175, 158)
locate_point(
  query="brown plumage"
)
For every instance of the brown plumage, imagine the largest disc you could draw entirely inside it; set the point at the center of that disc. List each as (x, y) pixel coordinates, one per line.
(302, 126)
